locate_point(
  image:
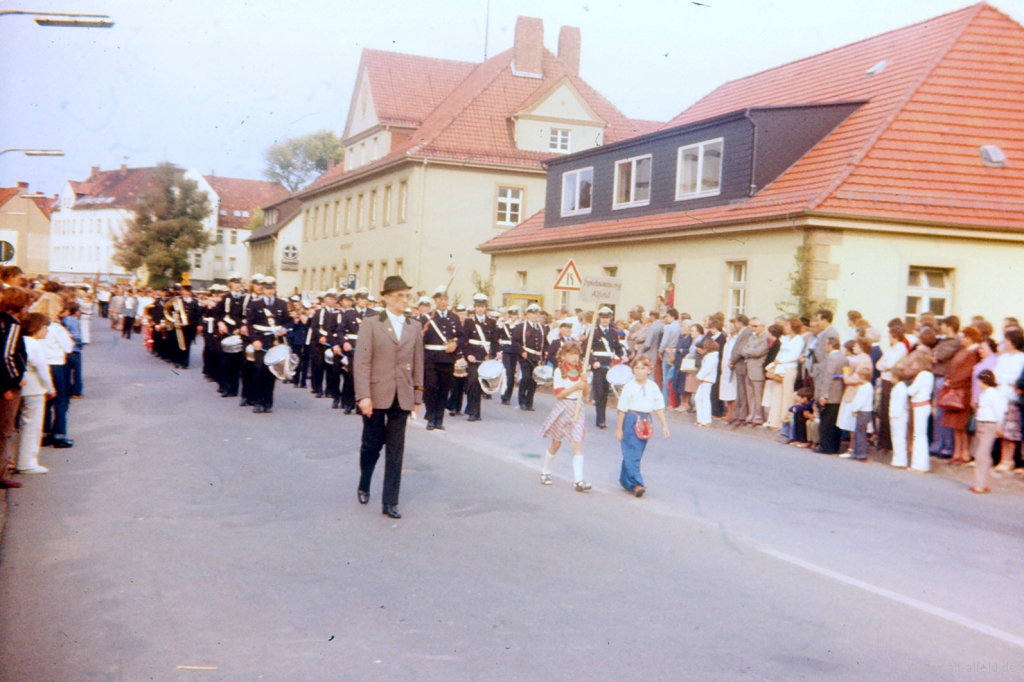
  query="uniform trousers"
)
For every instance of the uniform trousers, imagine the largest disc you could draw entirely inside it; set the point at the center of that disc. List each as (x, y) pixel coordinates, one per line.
(456, 394)
(384, 428)
(333, 372)
(209, 360)
(230, 370)
(185, 356)
(300, 370)
(246, 375)
(348, 387)
(263, 382)
(437, 383)
(473, 391)
(527, 384)
(510, 361)
(316, 367)
(126, 330)
(601, 394)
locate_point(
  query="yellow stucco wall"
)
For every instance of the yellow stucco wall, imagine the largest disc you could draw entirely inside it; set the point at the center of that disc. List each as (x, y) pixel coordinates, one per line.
(987, 276)
(22, 217)
(701, 271)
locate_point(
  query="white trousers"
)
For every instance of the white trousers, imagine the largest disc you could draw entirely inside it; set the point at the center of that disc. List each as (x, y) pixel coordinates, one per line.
(898, 429)
(31, 434)
(920, 460)
(704, 403)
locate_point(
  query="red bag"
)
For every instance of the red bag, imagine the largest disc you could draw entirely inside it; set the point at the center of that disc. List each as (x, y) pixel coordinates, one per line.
(951, 399)
(643, 428)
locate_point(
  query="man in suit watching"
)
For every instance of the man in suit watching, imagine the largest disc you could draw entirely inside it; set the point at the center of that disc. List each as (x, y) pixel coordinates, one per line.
(388, 376)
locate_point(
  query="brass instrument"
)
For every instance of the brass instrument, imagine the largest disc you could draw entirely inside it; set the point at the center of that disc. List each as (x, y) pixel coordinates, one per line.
(175, 316)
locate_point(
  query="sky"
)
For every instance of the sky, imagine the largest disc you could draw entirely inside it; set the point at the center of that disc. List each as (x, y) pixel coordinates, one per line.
(210, 85)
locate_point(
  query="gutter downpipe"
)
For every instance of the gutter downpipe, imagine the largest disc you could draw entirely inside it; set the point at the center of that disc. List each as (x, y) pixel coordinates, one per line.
(752, 189)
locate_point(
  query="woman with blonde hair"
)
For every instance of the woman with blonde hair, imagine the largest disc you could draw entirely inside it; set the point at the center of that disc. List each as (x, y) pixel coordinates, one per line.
(58, 344)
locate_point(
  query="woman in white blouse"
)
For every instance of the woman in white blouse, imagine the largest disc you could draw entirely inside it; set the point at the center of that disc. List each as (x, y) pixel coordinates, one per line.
(705, 380)
(1009, 368)
(37, 388)
(57, 344)
(640, 397)
(791, 347)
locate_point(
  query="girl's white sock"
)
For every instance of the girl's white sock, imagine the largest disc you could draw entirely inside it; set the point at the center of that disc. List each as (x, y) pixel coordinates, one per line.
(549, 459)
(577, 467)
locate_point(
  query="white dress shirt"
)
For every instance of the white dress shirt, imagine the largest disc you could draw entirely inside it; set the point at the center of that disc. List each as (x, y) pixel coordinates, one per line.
(398, 322)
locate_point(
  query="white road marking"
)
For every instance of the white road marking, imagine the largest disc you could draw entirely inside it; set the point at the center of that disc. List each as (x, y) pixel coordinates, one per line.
(900, 598)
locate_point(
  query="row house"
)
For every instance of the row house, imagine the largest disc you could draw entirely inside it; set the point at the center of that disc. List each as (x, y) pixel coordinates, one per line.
(93, 213)
(25, 229)
(274, 246)
(884, 176)
(441, 155)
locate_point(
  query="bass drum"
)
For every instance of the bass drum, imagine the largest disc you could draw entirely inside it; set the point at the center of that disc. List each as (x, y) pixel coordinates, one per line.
(491, 374)
(281, 362)
(618, 376)
(544, 375)
(232, 344)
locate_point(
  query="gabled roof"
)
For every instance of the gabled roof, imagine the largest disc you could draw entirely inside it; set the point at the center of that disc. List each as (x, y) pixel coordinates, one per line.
(286, 210)
(237, 194)
(118, 188)
(46, 204)
(473, 122)
(406, 88)
(949, 85)
(7, 193)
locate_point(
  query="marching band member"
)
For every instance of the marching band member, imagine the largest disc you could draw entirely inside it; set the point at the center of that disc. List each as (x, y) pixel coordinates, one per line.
(268, 320)
(509, 357)
(481, 343)
(351, 324)
(321, 326)
(230, 319)
(528, 344)
(441, 338)
(249, 366)
(605, 348)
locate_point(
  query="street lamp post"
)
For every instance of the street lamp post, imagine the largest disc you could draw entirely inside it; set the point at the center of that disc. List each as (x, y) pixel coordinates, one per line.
(34, 152)
(63, 19)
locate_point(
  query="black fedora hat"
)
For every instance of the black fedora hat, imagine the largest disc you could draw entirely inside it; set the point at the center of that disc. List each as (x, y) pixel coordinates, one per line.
(394, 283)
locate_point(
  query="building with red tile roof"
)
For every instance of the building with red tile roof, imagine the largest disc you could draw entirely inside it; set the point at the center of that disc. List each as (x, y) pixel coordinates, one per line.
(92, 214)
(907, 204)
(441, 154)
(25, 229)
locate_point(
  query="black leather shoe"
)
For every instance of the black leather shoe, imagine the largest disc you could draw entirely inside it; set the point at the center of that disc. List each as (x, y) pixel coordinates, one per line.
(506, 402)
(430, 426)
(602, 426)
(48, 440)
(336, 404)
(530, 409)
(438, 427)
(63, 443)
(364, 496)
(317, 394)
(390, 510)
(243, 403)
(348, 411)
(473, 419)
(257, 409)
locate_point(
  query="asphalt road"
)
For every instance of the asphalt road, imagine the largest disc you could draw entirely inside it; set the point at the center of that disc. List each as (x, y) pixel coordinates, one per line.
(184, 538)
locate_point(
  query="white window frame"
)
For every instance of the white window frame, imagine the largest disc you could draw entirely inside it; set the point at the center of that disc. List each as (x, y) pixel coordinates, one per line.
(385, 218)
(926, 293)
(220, 235)
(234, 237)
(509, 202)
(521, 279)
(700, 169)
(403, 201)
(574, 177)
(633, 202)
(560, 140)
(666, 276)
(737, 285)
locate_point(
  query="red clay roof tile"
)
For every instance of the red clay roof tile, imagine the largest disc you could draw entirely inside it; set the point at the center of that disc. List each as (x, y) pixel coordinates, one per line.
(237, 194)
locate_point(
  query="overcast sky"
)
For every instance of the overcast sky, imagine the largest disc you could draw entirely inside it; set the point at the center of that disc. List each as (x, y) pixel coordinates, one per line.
(210, 84)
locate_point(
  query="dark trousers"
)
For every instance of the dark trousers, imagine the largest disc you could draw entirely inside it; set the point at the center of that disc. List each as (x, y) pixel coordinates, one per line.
(126, 331)
(348, 387)
(384, 428)
(74, 370)
(510, 361)
(601, 394)
(740, 409)
(230, 369)
(300, 370)
(456, 393)
(830, 433)
(56, 417)
(209, 355)
(185, 356)
(333, 373)
(263, 382)
(104, 309)
(316, 367)
(246, 375)
(437, 382)
(883, 439)
(473, 391)
(527, 384)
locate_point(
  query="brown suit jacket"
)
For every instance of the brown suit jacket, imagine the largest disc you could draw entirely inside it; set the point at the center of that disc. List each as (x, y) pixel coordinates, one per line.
(385, 367)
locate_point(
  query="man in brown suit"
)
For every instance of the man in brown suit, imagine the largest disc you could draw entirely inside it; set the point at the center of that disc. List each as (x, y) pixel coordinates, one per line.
(388, 376)
(753, 356)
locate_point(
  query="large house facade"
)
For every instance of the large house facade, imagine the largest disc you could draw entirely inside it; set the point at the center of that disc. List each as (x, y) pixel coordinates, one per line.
(883, 176)
(274, 246)
(441, 155)
(93, 213)
(25, 229)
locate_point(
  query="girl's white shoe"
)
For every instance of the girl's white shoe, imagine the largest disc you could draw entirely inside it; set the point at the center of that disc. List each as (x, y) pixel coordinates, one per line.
(37, 469)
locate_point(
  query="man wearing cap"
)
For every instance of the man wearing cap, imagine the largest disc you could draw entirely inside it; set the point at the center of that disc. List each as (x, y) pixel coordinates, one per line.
(190, 323)
(423, 308)
(268, 321)
(508, 320)
(481, 343)
(441, 339)
(605, 348)
(230, 318)
(528, 345)
(388, 372)
(321, 326)
(249, 366)
(348, 333)
(208, 320)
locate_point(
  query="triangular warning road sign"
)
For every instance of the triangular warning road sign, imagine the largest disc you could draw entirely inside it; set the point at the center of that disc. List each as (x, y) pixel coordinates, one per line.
(569, 278)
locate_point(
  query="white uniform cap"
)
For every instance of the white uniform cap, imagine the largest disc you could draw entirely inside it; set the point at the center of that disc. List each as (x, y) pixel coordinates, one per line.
(424, 300)
(348, 293)
(258, 278)
(269, 282)
(235, 277)
(440, 290)
(460, 307)
(331, 292)
(605, 311)
(363, 291)
(479, 298)
(513, 309)
(503, 310)
(533, 308)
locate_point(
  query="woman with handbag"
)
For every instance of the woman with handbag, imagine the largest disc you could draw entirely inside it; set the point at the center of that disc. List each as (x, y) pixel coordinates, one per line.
(639, 399)
(955, 396)
(689, 362)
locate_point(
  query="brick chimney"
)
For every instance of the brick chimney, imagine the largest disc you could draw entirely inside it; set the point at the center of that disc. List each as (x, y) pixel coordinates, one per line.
(95, 171)
(569, 48)
(22, 187)
(528, 55)
(124, 166)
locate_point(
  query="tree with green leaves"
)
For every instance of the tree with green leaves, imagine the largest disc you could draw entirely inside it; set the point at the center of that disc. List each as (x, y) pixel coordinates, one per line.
(167, 227)
(299, 160)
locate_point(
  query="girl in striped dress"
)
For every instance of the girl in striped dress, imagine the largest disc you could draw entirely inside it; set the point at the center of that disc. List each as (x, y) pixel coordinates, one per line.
(565, 423)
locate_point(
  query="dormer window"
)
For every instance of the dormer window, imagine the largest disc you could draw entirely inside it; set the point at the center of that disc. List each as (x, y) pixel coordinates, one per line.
(633, 182)
(559, 140)
(577, 187)
(699, 170)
